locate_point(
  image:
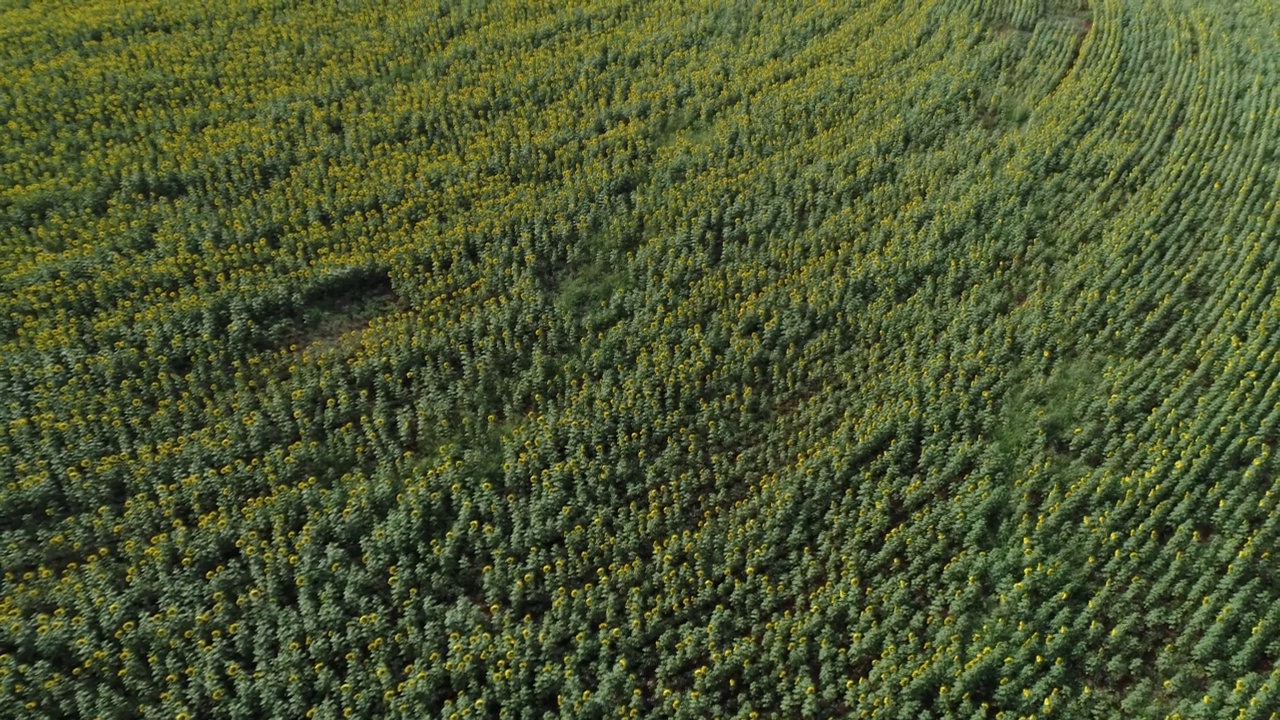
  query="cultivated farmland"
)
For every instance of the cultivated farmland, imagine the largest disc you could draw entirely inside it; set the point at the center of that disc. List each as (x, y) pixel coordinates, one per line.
(602, 359)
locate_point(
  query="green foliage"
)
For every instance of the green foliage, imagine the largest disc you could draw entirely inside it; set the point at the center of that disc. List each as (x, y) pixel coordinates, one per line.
(526, 359)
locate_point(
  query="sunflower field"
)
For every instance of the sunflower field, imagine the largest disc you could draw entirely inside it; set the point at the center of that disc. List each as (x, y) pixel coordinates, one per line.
(614, 359)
